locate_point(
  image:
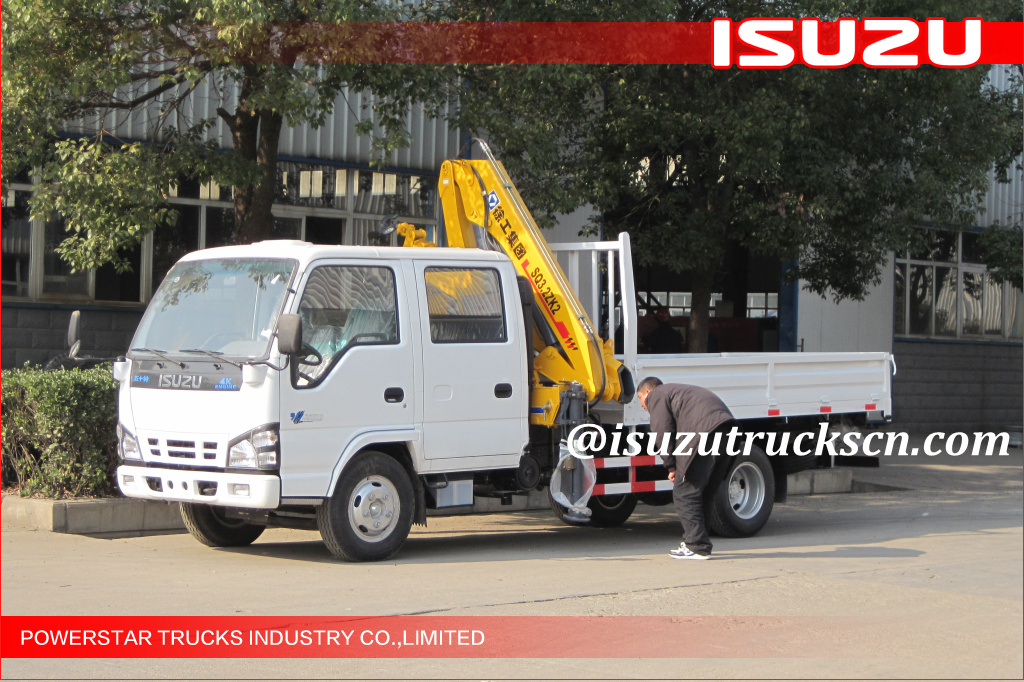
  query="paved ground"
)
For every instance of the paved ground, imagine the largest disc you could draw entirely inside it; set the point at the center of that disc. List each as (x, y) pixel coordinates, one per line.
(922, 582)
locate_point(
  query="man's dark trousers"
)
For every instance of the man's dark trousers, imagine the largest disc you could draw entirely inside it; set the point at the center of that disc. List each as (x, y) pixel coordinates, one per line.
(688, 495)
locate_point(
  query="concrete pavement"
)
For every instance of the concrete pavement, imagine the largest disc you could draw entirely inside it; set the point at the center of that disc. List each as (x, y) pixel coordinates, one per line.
(922, 582)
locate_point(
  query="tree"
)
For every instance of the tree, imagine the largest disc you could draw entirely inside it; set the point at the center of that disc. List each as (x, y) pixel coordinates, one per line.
(832, 169)
(72, 65)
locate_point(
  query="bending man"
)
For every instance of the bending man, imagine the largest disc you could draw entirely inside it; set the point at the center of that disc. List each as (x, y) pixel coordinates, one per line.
(680, 408)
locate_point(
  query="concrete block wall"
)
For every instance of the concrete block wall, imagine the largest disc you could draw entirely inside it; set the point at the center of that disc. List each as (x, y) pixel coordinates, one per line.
(37, 332)
(957, 386)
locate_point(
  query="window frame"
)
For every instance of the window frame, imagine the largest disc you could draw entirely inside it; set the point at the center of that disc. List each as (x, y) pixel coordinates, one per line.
(1006, 298)
(312, 269)
(501, 301)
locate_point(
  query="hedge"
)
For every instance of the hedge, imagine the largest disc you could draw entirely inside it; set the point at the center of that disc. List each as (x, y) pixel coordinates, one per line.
(59, 431)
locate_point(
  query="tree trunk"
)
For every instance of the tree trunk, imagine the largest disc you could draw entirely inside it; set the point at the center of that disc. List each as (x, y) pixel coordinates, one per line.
(700, 309)
(253, 219)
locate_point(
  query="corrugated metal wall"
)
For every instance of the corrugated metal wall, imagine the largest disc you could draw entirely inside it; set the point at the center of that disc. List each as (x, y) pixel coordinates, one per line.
(336, 140)
(1004, 202)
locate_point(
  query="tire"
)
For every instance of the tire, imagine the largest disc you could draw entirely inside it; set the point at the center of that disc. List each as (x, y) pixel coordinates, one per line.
(370, 513)
(210, 526)
(607, 511)
(561, 512)
(742, 503)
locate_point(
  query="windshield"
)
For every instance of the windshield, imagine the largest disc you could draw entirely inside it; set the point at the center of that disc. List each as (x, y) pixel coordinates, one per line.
(227, 307)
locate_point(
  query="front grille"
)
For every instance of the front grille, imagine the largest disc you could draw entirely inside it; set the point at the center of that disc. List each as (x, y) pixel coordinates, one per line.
(179, 448)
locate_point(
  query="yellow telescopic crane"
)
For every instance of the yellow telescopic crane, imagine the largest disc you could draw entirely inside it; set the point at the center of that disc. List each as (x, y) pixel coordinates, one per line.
(483, 209)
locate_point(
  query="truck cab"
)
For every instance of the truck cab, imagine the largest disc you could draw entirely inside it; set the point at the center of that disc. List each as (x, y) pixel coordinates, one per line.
(416, 355)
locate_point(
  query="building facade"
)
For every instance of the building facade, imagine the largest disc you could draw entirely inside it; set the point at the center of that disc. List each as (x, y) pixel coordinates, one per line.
(954, 331)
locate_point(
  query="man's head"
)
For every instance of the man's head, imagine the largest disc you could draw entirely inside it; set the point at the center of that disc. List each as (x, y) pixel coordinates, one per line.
(645, 388)
(661, 314)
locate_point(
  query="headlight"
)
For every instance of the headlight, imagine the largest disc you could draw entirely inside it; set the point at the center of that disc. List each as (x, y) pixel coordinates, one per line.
(257, 449)
(127, 444)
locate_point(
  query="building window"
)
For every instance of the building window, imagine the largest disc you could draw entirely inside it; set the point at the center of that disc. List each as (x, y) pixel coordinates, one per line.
(17, 241)
(325, 230)
(763, 305)
(943, 290)
(677, 302)
(57, 275)
(311, 203)
(112, 285)
(173, 241)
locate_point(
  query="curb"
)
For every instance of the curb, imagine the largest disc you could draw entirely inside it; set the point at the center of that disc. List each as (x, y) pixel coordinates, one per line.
(128, 516)
(820, 481)
(86, 517)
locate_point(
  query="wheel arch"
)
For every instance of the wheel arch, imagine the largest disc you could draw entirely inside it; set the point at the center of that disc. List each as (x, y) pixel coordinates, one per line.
(400, 446)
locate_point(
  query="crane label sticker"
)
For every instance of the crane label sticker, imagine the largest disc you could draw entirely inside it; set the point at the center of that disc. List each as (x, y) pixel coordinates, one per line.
(551, 302)
(511, 236)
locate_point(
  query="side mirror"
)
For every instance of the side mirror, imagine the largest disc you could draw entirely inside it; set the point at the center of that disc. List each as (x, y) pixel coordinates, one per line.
(74, 341)
(289, 334)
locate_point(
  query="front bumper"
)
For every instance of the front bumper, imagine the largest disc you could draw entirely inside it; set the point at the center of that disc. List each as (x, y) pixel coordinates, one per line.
(253, 491)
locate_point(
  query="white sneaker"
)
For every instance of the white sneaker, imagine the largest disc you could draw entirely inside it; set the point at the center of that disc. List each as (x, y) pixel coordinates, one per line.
(684, 552)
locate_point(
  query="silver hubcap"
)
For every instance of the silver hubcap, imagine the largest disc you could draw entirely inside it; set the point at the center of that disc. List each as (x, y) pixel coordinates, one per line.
(373, 508)
(746, 490)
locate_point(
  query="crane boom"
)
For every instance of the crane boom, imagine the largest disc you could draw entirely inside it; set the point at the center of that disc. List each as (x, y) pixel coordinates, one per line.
(483, 209)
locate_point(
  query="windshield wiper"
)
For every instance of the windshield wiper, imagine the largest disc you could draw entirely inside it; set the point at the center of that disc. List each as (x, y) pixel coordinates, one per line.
(158, 353)
(215, 354)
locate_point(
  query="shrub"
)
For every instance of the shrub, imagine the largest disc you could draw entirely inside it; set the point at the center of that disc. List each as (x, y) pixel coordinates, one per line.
(59, 430)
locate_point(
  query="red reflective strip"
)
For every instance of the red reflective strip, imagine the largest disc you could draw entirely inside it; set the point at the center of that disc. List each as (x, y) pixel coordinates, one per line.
(599, 489)
(825, 408)
(599, 462)
(870, 406)
(773, 413)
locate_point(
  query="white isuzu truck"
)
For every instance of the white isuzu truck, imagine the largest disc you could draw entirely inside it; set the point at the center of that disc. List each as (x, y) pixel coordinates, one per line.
(350, 389)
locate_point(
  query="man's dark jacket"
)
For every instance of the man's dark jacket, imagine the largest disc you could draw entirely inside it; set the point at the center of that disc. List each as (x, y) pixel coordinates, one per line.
(680, 408)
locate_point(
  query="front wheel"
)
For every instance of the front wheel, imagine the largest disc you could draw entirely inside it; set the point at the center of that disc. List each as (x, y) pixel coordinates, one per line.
(370, 513)
(743, 501)
(210, 526)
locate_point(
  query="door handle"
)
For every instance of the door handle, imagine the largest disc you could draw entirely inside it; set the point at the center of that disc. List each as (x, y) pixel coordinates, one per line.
(503, 391)
(394, 395)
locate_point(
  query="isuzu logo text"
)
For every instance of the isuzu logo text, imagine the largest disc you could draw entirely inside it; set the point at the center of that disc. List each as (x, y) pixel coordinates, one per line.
(879, 42)
(181, 381)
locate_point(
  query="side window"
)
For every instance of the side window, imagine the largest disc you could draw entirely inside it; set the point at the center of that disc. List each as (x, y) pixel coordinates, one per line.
(344, 306)
(464, 305)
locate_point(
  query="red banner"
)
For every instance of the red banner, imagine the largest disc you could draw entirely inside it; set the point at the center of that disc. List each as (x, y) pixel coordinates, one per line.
(885, 42)
(429, 637)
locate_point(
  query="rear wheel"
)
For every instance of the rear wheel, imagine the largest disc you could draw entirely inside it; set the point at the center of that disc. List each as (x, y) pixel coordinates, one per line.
(212, 527)
(370, 514)
(608, 511)
(743, 501)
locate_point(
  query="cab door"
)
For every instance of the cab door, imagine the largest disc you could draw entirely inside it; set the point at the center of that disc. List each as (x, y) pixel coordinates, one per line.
(475, 402)
(359, 375)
